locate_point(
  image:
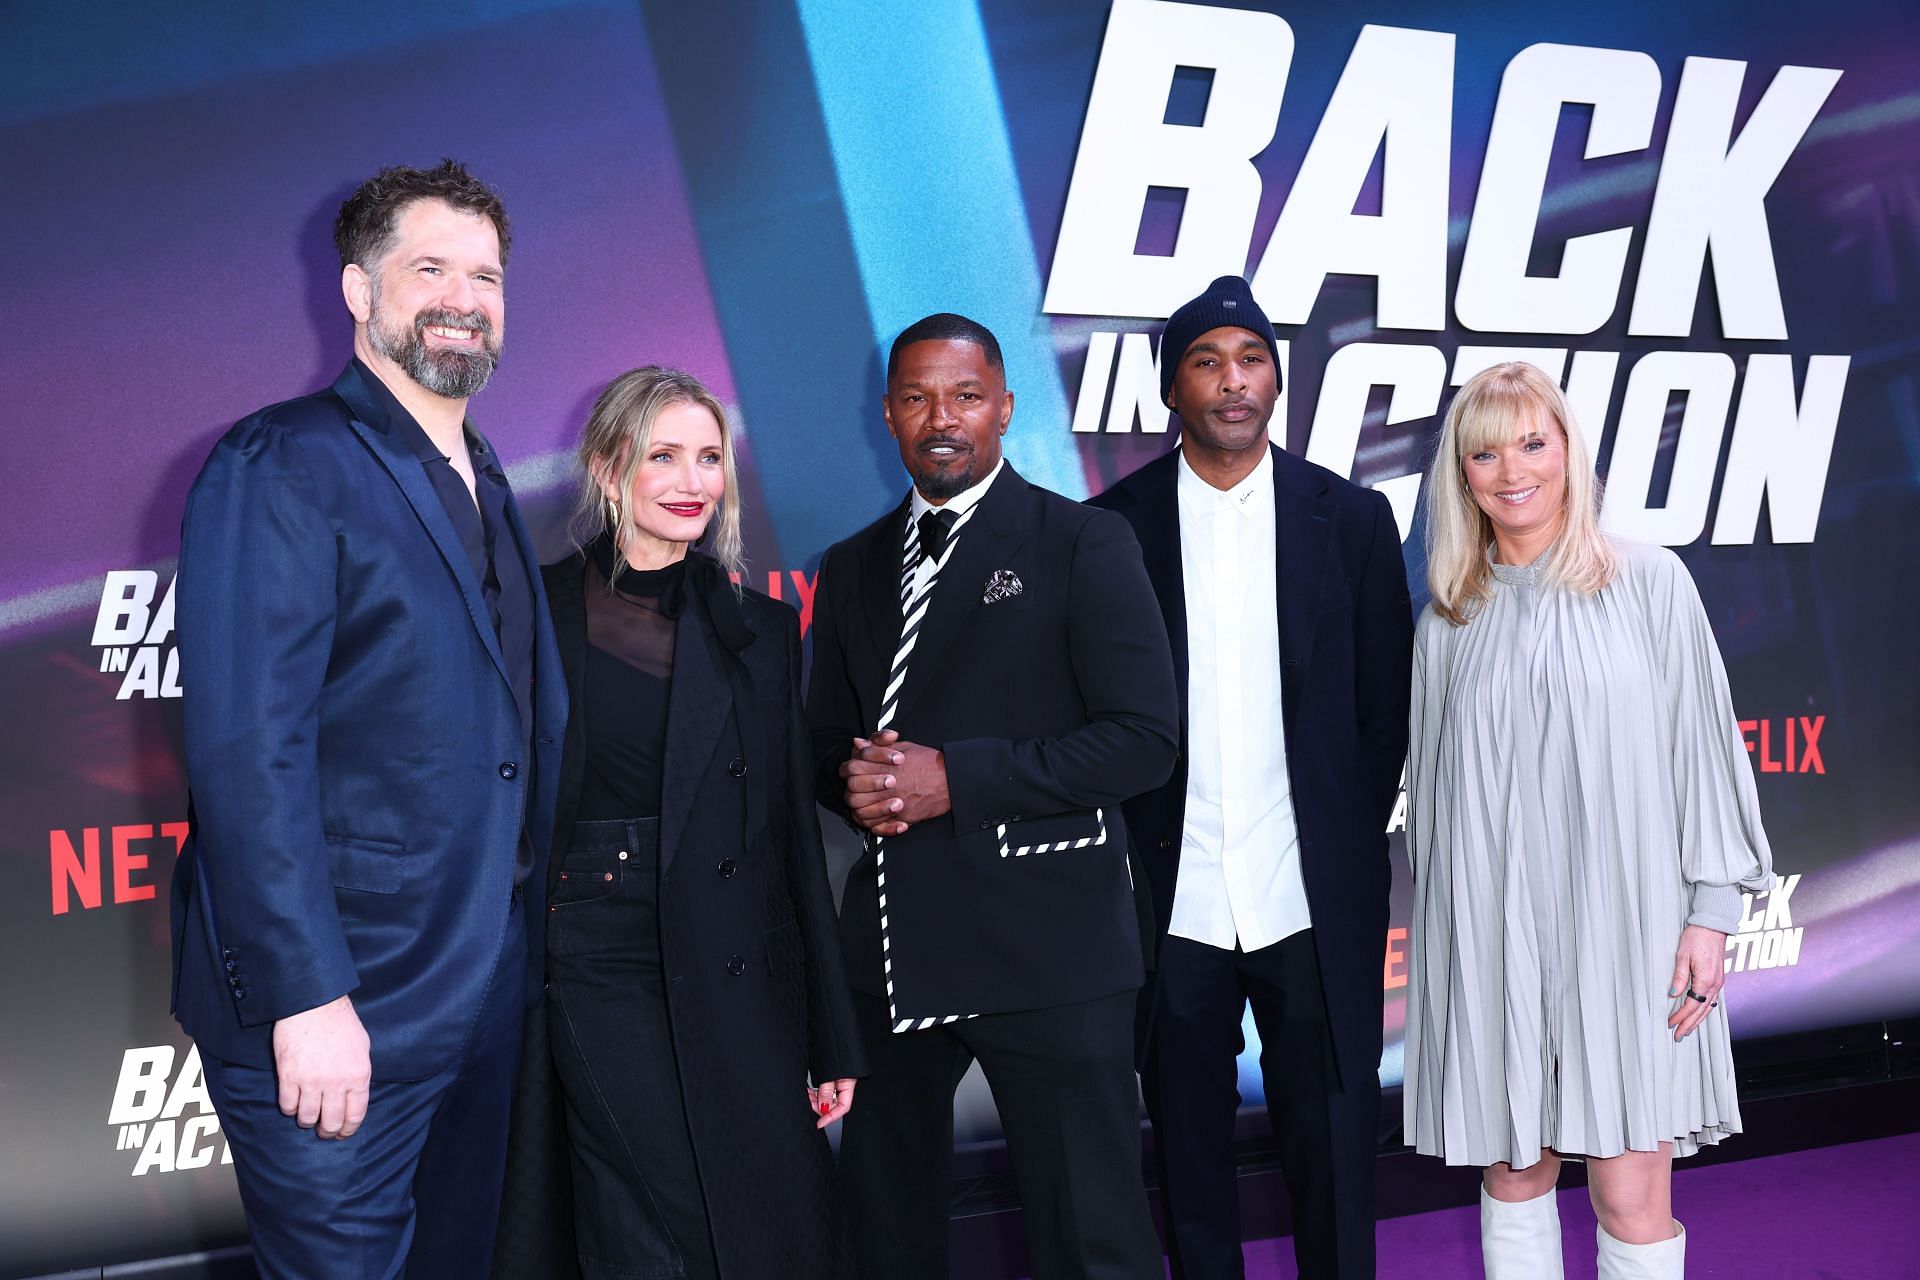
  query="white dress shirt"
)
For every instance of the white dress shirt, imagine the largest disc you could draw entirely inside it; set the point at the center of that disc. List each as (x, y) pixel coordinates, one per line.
(1239, 879)
(960, 504)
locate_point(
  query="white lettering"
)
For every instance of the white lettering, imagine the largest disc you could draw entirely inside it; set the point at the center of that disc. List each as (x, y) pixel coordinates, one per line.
(1780, 452)
(142, 1087)
(192, 1156)
(124, 602)
(1496, 294)
(1707, 378)
(1136, 388)
(1396, 94)
(1780, 903)
(1417, 374)
(1094, 380)
(1126, 146)
(157, 1155)
(1711, 198)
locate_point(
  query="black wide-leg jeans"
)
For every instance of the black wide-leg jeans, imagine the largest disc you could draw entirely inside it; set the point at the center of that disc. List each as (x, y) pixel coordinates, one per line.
(638, 1206)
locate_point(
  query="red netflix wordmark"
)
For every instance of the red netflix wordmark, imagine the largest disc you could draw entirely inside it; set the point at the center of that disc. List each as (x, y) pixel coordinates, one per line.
(1799, 739)
(77, 872)
(1394, 973)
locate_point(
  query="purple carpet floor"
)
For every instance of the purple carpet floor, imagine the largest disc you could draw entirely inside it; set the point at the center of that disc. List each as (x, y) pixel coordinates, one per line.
(1834, 1213)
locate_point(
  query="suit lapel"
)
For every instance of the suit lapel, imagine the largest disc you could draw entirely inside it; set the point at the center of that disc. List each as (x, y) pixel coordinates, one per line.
(1303, 525)
(1158, 527)
(987, 543)
(698, 702)
(369, 422)
(879, 596)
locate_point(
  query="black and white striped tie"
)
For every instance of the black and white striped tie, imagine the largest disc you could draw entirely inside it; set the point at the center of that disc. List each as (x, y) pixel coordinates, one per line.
(931, 544)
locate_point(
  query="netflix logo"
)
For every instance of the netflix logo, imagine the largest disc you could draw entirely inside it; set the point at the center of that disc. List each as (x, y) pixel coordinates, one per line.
(1790, 744)
(135, 858)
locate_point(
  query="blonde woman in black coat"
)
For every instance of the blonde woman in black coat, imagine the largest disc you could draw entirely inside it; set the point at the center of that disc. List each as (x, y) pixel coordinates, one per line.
(697, 1022)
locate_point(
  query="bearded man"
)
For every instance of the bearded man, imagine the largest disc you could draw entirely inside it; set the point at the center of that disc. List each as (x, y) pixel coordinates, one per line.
(373, 702)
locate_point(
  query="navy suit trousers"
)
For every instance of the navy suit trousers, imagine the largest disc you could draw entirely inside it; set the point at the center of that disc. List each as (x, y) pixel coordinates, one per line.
(416, 1192)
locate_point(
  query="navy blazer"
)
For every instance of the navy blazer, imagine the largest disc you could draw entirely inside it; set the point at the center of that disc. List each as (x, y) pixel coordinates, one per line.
(1345, 632)
(1052, 697)
(354, 751)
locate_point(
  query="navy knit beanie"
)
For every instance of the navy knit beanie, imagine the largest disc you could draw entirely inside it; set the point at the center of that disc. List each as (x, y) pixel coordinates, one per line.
(1227, 301)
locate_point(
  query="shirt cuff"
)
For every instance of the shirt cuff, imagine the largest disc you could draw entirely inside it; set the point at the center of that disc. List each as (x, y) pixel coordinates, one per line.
(1716, 906)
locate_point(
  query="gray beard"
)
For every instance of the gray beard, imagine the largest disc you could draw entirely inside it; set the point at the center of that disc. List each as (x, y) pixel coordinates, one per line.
(453, 374)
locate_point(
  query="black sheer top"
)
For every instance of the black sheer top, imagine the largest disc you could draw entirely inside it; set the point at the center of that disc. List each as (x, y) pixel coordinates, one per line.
(629, 665)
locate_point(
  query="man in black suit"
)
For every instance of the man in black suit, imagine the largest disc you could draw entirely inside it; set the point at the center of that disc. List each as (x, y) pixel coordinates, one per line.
(986, 689)
(1285, 596)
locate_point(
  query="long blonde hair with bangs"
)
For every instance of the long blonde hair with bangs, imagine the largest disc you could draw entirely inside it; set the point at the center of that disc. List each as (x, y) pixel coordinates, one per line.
(1498, 406)
(615, 442)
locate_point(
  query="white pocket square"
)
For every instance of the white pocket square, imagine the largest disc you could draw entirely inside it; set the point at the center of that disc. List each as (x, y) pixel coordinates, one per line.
(1003, 585)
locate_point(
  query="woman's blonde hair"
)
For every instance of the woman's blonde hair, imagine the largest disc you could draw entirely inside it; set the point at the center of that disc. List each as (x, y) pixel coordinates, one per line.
(1494, 408)
(614, 445)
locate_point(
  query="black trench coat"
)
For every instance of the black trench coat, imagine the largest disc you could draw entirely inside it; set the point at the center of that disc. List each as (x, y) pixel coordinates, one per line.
(737, 786)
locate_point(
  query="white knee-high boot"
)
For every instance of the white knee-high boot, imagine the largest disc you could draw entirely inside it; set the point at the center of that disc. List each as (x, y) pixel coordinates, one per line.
(1520, 1241)
(1661, 1260)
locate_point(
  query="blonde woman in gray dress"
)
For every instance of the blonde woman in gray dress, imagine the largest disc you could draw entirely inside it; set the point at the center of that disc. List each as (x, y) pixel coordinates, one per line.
(1581, 819)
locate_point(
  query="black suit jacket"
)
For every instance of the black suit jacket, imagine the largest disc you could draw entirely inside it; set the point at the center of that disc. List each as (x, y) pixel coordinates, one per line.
(1052, 704)
(1345, 631)
(737, 788)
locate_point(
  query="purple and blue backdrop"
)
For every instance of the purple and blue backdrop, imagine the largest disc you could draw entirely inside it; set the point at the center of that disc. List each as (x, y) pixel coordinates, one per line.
(1704, 218)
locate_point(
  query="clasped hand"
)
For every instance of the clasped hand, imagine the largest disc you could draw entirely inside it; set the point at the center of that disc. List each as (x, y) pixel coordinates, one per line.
(893, 784)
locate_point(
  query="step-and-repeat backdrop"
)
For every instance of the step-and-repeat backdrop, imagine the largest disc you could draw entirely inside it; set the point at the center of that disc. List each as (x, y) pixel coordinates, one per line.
(1705, 218)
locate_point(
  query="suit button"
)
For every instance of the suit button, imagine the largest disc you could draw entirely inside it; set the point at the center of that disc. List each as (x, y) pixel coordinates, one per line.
(232, 966)
(226, 953)
(233, 980)
(1166, 844)
(737, 767)
(239, 993)
(986, 823)
(726, 868)
(736, 966)
(509, 771)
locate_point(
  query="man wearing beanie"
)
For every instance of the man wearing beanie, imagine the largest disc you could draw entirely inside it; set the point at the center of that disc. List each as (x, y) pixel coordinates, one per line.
(1286, 601)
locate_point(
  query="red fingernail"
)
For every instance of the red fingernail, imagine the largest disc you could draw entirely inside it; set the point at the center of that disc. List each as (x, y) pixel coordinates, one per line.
(825, 1107)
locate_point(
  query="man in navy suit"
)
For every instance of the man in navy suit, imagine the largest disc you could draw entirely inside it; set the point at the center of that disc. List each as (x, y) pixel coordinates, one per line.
(1285, 598)
(373, 702)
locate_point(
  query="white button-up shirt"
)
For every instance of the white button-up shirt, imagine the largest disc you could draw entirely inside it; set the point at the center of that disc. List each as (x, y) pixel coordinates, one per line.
(960, 504)
(1239, 879)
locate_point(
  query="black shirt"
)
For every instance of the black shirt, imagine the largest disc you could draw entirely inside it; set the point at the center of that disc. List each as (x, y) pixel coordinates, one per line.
(486, 533)
(630, 637)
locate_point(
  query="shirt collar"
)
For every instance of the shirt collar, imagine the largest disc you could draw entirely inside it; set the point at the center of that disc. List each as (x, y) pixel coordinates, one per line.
(1252, 497)
(419, 443)
(960, 503)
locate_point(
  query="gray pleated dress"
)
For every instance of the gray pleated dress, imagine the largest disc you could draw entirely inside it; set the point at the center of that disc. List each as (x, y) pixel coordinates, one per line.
(1577, 793)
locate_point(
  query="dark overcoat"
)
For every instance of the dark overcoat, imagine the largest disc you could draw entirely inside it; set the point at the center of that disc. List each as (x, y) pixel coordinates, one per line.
(737, 788)
(1345, 631)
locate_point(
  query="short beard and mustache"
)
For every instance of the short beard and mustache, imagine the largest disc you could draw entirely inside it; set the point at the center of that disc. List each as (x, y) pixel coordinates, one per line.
(939, 484)
(441, 370)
